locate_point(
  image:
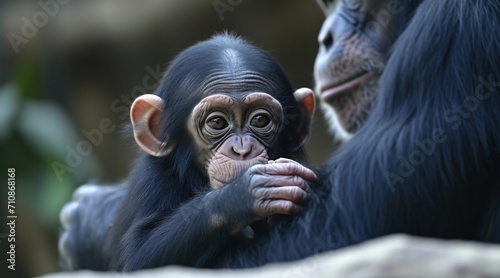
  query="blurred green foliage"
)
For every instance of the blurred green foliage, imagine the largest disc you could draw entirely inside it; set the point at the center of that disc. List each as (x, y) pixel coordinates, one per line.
(33, 135)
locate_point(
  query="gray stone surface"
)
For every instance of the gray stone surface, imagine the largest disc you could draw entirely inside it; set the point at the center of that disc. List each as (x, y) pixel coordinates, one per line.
(392, 256)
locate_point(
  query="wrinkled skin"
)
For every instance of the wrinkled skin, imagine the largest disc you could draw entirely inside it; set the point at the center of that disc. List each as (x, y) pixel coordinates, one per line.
(278, 188)
(234, 132)
(354, 42)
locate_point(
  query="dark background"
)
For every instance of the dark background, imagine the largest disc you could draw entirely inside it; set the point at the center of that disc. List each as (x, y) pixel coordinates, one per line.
(84, 62)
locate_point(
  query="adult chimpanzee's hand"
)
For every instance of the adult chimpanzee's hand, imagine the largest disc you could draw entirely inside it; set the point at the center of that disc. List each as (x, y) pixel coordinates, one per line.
(280, 187)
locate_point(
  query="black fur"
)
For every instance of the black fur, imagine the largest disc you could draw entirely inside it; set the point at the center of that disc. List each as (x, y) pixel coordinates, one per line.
(165, 215)
(447, 56)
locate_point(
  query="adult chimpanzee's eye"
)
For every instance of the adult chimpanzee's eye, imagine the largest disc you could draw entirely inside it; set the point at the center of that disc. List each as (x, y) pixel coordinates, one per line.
(260, 121)
(217, 123)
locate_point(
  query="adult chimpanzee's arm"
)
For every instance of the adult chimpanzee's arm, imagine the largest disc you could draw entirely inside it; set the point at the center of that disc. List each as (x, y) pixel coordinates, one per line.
(86, 223)
(198, 229)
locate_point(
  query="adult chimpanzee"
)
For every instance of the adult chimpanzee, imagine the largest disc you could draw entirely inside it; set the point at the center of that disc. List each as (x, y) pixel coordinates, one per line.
(354, 45)
(427, 160)
(222, 106)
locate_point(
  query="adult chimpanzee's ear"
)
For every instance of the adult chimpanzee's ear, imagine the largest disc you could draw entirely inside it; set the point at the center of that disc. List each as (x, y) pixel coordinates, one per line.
(145, 115)
(307, 103)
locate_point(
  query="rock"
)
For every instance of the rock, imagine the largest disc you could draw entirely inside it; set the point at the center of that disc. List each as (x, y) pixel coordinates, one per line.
(391, 256)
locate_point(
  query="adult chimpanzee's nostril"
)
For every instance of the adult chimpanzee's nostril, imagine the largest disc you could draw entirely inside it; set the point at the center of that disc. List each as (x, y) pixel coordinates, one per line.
(326, 36)
(327, 41)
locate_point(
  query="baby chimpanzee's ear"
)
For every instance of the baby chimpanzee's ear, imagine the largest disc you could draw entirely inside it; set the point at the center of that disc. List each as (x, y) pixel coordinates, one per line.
(145, 115)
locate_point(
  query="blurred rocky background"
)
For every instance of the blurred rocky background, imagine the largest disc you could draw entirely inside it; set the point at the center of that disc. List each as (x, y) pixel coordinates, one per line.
(69, 70)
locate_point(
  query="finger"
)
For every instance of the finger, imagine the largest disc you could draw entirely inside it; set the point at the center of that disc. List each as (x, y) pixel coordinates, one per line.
(285, 169)
(280, 181)
(282, 207)
(266, 181)
(291, 193)
(284, 160)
